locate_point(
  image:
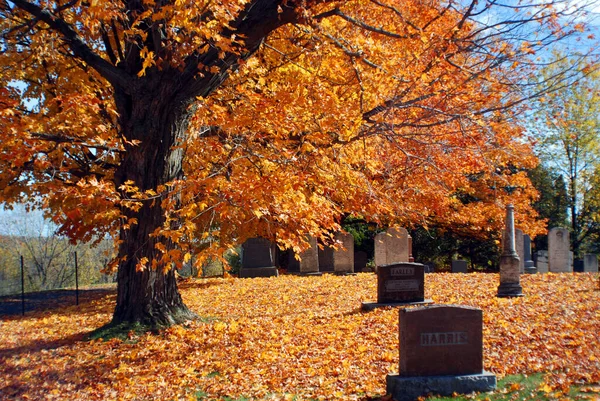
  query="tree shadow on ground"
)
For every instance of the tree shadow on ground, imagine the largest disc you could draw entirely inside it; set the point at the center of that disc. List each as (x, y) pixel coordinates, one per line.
(33, 347)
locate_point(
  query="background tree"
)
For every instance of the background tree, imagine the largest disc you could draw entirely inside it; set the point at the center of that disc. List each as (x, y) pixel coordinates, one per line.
(567, 127)
(189, 126)
(48, 258)
(552, 204)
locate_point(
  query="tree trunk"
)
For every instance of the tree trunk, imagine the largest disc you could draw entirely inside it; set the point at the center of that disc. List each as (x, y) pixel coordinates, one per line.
(159, 122)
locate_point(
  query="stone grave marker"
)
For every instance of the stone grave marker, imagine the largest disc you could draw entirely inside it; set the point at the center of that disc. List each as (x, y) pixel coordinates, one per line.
(309, 260)
(520, 248)
(326, 259)
(360, 261)
(559, 255)
(528, 262)
(578, 266)
(399, 284)
(590, 262)
(510, 272)
(459, 266)
(258, 258)
(340, 260)
(392, 246)
(343, 258)
(541, 261)
(441, 352)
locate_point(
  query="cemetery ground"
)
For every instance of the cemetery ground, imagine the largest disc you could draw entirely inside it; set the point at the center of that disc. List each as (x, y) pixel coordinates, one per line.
(302, 338)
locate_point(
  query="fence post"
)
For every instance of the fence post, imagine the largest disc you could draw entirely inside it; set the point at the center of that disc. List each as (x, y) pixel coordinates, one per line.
(22, 286)
(76, 281)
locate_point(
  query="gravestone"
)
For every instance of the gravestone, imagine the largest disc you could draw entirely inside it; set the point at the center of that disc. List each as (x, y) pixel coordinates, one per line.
(510, 273)
(360, 261)
(258, 258)
(326, 259)
(429, 267)
(578, 266)
(520, 248)
(392, 246)
(441, 352)
(541, 261)
(343, 257)
(339, 260)
(399, 284)
(590, 263)
(529, 266)
(559, 255)
(309, 260)
(459, 266)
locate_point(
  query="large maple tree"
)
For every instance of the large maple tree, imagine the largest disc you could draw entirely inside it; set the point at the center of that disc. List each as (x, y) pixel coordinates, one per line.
(183, 127)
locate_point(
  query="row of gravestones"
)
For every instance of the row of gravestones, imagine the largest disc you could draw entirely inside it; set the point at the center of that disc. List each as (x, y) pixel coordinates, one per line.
(259, 255)
(558, 258)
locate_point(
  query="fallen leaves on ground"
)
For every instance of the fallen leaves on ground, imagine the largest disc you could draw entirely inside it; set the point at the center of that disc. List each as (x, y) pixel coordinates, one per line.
(286, 337)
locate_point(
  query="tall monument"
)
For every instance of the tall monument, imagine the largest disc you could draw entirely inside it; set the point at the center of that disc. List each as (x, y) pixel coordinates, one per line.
(510, 272)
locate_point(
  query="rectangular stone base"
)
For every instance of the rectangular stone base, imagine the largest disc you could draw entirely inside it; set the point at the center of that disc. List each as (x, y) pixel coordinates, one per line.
(507, 290)
(250, 272)
(368, 306)
(305, 273)
(410, 388)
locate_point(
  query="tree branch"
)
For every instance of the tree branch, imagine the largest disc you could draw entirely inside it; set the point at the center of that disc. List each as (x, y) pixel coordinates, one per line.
(112, 74)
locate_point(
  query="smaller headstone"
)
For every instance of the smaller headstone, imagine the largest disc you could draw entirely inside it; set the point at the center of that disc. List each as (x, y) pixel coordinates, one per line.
(559, 255)
(343, 258)
(520, 248)
(430, 267)
(258, 258)
(309, 260)
(459, 266)
(529, 265)
(326, 259)
(392, 246)
(399, 284)
(360, 261)
(541, 261)
(590, 263)
(411, 259)
(578, 266)
(441, 352)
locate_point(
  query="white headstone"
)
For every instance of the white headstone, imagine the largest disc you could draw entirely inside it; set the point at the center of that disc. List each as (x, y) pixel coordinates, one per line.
(559, 255)
(392, 246)
(541, 261)
(520, 248)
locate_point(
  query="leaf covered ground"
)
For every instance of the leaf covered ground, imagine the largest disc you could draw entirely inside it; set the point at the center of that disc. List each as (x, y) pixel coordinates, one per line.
(294, 338)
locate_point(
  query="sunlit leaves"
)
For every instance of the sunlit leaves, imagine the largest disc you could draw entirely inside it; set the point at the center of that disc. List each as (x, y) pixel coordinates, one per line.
(304, 336)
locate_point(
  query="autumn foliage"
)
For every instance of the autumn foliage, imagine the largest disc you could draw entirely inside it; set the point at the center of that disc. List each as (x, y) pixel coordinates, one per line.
(304, 336)
(181, 128)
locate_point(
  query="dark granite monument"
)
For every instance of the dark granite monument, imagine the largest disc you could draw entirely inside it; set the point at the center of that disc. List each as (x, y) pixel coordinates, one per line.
(399, 284)
(258, 258)
(459, 266)
(441, 352)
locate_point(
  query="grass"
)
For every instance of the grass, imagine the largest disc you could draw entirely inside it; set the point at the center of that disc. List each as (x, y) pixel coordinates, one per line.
(528, 388)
